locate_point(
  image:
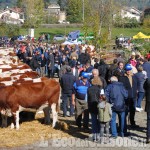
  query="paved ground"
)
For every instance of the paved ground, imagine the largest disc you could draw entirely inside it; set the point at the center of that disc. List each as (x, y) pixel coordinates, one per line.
(81, 140)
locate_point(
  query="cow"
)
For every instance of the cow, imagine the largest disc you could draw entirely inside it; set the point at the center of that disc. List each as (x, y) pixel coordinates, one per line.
(24, 97)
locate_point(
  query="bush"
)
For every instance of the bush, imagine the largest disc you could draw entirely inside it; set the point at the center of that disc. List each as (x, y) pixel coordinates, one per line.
(9, 30)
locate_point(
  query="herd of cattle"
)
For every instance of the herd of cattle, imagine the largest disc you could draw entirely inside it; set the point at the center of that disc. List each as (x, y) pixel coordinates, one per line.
(21, 89)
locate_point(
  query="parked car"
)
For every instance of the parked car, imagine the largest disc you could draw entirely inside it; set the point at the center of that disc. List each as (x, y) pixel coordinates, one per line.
(63, 22)
(59, 38)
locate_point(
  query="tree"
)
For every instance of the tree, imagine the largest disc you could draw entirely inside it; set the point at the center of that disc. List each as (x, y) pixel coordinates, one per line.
(74, 11)
(34, 12)
(146, 24)
(19, 3)
(9, 30)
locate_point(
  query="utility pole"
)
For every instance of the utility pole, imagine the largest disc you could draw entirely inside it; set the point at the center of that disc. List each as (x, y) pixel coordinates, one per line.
(83, 10)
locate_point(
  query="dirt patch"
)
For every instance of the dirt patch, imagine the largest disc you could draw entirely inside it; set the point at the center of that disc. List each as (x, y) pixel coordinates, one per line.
(29, 132)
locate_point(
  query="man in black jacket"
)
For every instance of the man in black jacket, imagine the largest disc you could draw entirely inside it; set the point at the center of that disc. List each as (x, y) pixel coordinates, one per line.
(147, 107)
(67, 80)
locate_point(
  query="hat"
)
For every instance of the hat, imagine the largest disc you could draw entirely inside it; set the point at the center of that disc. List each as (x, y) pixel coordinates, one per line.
(84, 74)
(128, 67)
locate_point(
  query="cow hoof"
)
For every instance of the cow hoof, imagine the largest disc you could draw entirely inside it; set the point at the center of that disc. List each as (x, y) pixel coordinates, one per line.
(12, 126)
(47, 123)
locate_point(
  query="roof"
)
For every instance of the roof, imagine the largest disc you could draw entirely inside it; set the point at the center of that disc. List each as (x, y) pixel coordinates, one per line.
(54, 6)
(16, 10)
(132, 8)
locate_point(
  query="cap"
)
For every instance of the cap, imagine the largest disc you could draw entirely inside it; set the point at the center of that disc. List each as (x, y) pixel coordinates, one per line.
(84, 74)
(128, 67)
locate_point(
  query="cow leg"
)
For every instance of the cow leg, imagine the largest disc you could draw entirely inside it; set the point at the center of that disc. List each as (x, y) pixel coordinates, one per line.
(47, 115)
(17, 120)
(12, 126)
(16, 117)
(54, 114)
(4, 121)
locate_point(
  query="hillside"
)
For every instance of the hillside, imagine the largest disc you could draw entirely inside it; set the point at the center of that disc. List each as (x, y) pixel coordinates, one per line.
(139, 4)
(9, 3)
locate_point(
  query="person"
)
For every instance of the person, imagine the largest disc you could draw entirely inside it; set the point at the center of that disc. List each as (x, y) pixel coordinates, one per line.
(130, 83)
(104, 116)
(132, 60)
(67, 80)
(112, 68)
(84, 57)
(103, 68)
(146, 67)
(119, 70)
(63, 69)
(75, 71)
(79, 99)
(95, 73)
(141, 93)
(42, 65)
(93, 95)
(147, 107)
(50, 64)
(117, 95)
(96, 64)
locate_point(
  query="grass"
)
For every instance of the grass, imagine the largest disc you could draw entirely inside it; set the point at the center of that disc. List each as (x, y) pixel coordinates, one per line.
(65, 30)
(51, 31)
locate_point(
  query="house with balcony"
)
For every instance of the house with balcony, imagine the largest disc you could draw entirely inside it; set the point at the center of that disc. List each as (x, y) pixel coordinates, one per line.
(12, 16)
(131, 12)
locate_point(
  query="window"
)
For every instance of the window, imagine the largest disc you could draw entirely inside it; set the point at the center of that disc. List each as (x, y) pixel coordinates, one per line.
(21, 16)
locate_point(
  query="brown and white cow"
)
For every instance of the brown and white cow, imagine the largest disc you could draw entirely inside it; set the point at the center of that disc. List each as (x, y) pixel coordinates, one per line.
(37, 96)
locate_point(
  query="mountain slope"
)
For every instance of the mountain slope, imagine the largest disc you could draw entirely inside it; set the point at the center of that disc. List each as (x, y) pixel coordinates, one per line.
(139, 4)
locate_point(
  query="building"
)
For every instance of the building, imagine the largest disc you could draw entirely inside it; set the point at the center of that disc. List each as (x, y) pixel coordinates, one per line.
(131, 12)
(12, 16)
(54, 11)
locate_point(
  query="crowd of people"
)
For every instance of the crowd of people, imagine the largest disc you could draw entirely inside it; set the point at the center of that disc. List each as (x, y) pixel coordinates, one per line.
(94, 89)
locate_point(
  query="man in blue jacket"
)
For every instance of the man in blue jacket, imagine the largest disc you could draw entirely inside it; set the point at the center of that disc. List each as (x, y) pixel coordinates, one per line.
(116, 95)
(79, 98)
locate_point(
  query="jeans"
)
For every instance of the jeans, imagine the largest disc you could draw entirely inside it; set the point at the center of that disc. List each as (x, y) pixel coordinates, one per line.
(42, 71)
(95, 125)
(46, 69)
(113, 123)
(50, 73)
(65, 98)
(104, 126)
(131, 106)
(140, 98)
(148, 125)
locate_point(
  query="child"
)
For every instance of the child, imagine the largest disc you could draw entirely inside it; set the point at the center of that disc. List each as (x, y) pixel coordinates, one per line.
(104, 117)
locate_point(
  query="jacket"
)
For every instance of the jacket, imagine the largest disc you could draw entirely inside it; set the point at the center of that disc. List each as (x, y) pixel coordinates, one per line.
(93, 95)
(104, 111)
(67, 80)
(147, 94)
(140, 81)
(132, 90)
(116, 95)
(146, 67)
